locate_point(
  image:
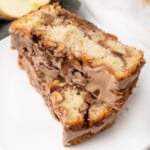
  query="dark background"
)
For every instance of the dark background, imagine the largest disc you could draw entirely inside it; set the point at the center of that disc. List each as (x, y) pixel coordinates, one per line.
(4, 25)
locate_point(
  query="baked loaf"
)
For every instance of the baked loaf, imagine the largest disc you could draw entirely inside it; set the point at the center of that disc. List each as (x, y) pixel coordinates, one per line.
(84, 74)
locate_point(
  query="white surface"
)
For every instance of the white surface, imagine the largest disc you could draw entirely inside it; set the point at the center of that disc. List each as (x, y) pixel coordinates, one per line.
(137, 9)
(125, 17)
(26, 124)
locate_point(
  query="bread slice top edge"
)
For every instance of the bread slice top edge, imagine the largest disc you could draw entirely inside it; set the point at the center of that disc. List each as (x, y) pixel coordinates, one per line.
(79, 38)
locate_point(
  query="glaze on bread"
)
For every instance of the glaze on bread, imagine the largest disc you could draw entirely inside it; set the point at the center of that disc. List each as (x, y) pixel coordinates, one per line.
(84, 74)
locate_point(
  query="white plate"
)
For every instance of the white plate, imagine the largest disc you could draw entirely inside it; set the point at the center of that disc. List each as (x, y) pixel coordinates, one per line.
(26, 124)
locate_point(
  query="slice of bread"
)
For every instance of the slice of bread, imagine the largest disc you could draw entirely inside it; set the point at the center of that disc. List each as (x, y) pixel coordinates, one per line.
(16, 8)
(84, 74)
(81, 115)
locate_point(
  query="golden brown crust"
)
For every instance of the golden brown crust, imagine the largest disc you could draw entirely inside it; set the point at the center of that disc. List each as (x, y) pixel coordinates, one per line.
(107, 112)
